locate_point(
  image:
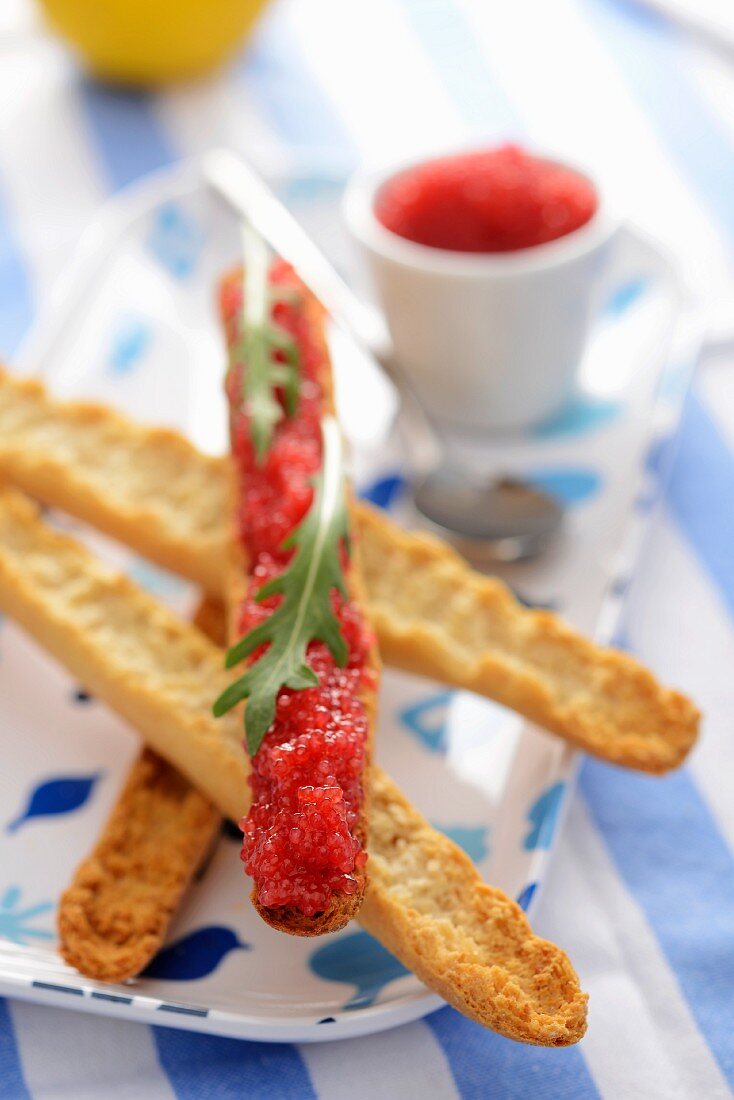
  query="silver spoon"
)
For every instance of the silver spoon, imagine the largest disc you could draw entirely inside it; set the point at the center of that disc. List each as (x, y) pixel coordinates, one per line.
(492, 521)
(500, 519)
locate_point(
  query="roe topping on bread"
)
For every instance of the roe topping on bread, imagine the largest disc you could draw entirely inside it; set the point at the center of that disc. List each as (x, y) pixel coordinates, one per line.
(304, 834)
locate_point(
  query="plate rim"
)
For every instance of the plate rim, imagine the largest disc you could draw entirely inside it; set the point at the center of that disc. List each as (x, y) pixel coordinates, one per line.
(112, 220)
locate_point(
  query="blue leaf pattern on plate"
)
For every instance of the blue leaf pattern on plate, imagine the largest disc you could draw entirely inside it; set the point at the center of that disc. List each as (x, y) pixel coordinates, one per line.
(384, 491)
(175, 240)
(155, 580)
(302, 190)
(674, 382)
(14, 921)
(620, 639)
(56, 796)
(526, 895)
(426, 720)
(130, 341)
(625, 295)
(582, 414)
(542, 816)
(569, 485)
(196, 955)
(473, 840)
(359, 960)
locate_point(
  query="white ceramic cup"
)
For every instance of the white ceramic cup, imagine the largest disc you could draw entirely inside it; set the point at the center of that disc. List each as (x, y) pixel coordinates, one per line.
(488, 341)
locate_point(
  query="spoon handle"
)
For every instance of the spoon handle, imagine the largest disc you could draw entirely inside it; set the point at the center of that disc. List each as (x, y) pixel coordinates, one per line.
(234, 180)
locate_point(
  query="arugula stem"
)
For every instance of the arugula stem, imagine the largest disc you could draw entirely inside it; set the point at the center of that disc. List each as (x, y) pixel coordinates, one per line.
(261, 340)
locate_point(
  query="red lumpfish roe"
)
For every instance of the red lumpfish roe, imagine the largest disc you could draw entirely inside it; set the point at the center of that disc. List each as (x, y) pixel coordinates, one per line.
(299, 843)
(276, 495)
(498, 200)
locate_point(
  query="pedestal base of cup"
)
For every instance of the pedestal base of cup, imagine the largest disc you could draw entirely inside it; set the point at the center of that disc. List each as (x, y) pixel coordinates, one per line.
(486, 421)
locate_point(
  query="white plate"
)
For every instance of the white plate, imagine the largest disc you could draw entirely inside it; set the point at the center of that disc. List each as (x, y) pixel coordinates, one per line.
(134, 325)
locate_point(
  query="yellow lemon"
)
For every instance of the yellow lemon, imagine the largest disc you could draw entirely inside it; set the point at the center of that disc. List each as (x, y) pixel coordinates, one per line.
(153, 41)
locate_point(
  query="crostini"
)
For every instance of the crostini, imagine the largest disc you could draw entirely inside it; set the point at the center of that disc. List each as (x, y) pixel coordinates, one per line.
(297, 623)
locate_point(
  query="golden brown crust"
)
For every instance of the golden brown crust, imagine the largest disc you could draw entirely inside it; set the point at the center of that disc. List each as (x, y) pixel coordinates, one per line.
(342, 908)
(209, 618)
(436, 617)
(424, 900)
(148, 487)
(159, 673)
(115, 913)
(467, 941)
(433, 615)
(291, 921)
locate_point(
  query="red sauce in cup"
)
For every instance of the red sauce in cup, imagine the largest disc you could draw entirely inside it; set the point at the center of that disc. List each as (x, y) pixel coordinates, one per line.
(497, 200)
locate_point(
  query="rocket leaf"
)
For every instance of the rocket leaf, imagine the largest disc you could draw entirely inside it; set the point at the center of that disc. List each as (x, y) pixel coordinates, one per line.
(260, 341)
(305, 613)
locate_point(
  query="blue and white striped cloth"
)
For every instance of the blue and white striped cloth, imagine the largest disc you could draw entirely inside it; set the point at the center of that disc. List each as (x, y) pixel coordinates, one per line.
(641, 892)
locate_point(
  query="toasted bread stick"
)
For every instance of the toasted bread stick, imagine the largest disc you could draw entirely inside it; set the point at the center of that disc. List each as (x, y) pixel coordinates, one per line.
(424, 899)
(294, 429)
(147, 487)
(437, 618)
(433, 615)
(158, 672)
(115, 913)
(467, 941)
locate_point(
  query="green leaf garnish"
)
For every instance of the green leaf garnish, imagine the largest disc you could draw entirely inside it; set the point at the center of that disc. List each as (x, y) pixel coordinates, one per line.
(304, 613)
(261, 339)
